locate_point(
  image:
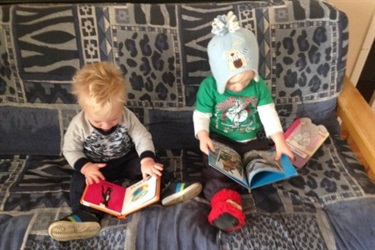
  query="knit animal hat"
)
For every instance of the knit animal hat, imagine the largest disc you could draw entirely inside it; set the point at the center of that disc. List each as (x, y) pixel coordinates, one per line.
(232, 50)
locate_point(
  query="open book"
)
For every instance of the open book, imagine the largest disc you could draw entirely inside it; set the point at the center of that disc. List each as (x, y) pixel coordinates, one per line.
(304, 138)
(255, 169)
(120, 201)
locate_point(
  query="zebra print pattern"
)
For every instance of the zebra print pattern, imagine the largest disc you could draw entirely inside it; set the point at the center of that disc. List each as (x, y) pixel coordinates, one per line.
(162, 52)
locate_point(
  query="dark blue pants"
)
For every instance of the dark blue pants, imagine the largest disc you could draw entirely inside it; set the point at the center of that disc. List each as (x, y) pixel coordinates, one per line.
(214, 181)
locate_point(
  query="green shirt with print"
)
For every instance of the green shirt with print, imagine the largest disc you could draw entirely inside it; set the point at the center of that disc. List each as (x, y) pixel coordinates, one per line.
(234, 114)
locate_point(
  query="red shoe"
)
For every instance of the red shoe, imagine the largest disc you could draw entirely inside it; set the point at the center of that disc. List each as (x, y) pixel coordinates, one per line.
(226, 211)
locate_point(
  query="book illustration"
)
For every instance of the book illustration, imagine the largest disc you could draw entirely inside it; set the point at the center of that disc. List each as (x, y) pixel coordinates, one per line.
(140, 192)
(256, 168)
(106, 195)
(229, 162)
(304, 138)
(121, 201)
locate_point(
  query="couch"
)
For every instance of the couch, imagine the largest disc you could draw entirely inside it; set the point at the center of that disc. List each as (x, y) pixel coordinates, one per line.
(161, 49)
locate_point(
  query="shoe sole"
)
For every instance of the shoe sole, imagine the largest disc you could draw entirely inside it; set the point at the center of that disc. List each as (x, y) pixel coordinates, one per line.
(187, 194)
(67, 230)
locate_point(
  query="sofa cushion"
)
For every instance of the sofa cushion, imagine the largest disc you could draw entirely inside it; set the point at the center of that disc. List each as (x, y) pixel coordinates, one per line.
(303, 63)
(162, 52)
(31, 130)
(172, 129)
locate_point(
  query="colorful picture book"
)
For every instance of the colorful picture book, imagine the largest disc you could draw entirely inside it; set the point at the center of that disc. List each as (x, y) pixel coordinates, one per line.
(255, 169)
(304, 138)
(121, 201)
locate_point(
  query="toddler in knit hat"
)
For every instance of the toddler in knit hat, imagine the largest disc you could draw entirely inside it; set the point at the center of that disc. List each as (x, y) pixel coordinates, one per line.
(233, 105)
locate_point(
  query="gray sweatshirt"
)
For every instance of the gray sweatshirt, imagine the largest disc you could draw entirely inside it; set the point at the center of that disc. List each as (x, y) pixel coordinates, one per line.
(84, 143)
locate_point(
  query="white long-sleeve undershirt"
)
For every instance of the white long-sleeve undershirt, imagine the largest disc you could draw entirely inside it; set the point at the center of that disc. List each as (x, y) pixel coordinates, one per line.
(267, 114)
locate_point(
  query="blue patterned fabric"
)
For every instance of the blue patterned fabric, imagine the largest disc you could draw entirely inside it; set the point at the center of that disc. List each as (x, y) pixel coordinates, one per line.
(316, 210)
(162, 52)
(161, 49)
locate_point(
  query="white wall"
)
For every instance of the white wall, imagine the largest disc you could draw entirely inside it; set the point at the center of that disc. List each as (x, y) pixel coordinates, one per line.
(361, 15)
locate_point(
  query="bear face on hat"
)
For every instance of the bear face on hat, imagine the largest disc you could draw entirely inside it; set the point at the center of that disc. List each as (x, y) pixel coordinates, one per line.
(231, 51)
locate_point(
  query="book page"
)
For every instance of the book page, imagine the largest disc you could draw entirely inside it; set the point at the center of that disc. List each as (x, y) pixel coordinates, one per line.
(260, 161)
(227, 161)
(105, 195)
(139, 193)
(267, 177)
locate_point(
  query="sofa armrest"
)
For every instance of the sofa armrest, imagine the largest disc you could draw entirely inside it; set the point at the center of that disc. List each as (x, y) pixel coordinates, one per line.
(358, 125)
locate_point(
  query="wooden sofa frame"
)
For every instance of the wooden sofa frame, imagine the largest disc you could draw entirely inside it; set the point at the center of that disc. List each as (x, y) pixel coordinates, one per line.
(358, 125)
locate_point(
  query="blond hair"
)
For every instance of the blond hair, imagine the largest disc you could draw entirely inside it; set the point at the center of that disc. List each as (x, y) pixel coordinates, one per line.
(100, 85)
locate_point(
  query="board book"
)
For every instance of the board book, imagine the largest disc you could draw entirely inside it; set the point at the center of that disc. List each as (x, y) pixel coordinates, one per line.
(304, 138)
(121, 201)
(255, 169)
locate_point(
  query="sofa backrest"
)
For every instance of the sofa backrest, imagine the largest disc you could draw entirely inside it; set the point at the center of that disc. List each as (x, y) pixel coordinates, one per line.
(161, 49)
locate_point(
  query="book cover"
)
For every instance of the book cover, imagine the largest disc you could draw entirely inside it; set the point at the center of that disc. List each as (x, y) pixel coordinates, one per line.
(121, 201)
(256, 168)
(304, 138)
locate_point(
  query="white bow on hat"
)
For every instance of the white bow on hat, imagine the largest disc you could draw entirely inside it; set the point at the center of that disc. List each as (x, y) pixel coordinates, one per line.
(224, 24)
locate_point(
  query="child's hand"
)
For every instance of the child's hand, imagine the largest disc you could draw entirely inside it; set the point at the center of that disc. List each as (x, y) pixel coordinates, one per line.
(282, 147)
(205, 142)
(92, 173)
(149, 167)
